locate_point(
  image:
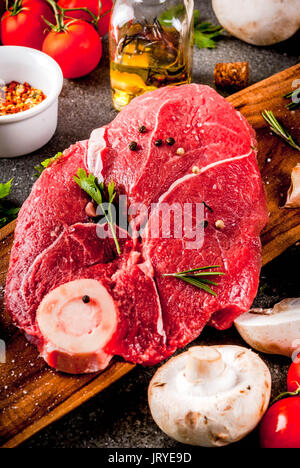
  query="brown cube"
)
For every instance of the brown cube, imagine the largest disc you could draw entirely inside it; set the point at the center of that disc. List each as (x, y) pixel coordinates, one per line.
(232, 75)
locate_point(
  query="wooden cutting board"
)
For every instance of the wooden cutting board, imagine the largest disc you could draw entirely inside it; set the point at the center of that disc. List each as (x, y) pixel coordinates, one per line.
(31, 394)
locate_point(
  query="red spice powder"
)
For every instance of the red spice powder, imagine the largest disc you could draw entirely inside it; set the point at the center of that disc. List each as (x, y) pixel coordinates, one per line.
(16, 97)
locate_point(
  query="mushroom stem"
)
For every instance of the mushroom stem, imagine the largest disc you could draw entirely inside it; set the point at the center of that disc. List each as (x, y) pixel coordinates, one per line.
(203, 363)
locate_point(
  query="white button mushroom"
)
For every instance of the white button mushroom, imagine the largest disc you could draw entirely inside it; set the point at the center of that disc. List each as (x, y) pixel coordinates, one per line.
(210, 396)
(272, 331)
(259, 22)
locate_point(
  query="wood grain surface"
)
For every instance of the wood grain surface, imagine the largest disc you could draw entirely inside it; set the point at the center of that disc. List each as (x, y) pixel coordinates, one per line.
(31, 394)
(276, 159)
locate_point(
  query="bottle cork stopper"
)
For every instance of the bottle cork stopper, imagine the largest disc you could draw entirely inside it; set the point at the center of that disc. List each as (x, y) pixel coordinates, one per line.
(232, 75)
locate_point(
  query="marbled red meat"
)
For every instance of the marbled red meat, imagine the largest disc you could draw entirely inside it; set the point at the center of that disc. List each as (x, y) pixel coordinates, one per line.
(235, 248)
(57, 249)
(196, 117)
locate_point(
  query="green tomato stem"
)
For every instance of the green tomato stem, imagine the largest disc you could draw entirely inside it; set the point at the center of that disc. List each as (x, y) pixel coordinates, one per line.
(283, 395)
(15, 9)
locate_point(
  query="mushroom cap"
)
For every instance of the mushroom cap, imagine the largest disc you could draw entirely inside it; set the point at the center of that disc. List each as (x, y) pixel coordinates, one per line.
(272, 331)
(217, 409)
(259, 22)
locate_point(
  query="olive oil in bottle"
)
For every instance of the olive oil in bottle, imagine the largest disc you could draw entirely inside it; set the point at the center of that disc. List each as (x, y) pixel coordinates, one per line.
(150, 47)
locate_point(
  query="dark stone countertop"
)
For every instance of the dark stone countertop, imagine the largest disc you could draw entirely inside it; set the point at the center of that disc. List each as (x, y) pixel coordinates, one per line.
(119, 416)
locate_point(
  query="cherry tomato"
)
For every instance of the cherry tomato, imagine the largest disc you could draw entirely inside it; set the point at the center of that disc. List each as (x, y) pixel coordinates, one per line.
(77, 49)
(26, 27)
(293, 378)
(93, 6)
(280, 427)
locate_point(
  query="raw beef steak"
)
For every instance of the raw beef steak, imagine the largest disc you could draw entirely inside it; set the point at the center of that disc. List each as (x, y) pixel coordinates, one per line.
(55, 201)
(78, 300)
(235, 247)
(79, 254)
(199, 120)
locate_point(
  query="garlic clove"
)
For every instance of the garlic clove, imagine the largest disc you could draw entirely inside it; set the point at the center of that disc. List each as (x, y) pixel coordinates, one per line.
(293, 198)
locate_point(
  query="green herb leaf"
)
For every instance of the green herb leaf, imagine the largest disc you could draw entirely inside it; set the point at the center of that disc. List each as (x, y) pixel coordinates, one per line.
(111, 191)
(167, 17)
(194, 270)
(277, 128)
(7, 212)
(198, 277)
(206, 34)
(3, 222)
(91, 186)
(5, 189)
(294, 96)
(40, 168)
(196, 17)
(198, 284)
(10, 212)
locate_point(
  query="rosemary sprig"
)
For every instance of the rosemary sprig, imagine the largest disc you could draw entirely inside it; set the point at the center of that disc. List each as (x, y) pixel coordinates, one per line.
(91, 186)
(295, 99)
(279, 129)
(198, 277)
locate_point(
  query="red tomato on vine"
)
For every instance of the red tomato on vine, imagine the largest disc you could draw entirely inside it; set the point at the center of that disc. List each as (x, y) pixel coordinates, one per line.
(23, 23)
(94, 7)
(280, 427)
(76, 48)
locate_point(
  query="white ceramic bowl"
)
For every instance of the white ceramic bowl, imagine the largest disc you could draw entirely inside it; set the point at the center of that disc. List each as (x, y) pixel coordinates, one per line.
(28, 131)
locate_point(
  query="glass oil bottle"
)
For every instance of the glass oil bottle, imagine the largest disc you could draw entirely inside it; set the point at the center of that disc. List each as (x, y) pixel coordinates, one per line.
(151, 46)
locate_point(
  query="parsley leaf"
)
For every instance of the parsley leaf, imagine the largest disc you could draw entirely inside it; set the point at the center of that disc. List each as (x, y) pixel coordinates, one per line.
(40, 168)
(7, 212)
(206, 34)
(91, 186)
(111, 191)
(5, 189)
(3, 222)
(167, 17)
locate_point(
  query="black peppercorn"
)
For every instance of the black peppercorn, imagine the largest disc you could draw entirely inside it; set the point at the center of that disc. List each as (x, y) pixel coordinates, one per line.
(170, 141)
(158, 142)
(86, 299)
(142, 129)
(133, 146)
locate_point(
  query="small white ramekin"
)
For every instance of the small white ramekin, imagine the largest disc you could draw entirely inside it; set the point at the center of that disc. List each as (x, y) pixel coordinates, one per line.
(28, 131)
